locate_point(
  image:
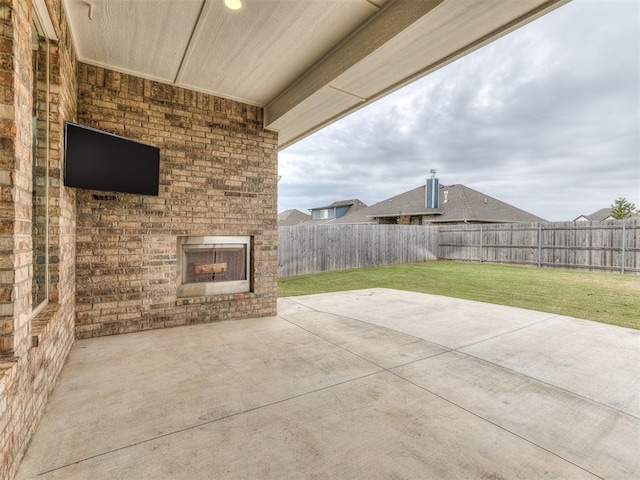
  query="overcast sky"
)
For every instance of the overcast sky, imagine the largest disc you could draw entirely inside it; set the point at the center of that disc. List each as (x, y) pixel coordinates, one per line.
(546, 119)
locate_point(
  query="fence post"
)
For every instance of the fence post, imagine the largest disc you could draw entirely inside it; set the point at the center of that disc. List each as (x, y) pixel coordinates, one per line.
(481, 246)
(539, 245)
(623, 260)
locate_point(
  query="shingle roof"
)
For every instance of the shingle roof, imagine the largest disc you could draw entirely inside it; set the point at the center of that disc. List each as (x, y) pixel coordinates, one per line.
(355, 217)
(357, 206)
(341, 203)
(462, 204)
(598, 215)
(291, 217)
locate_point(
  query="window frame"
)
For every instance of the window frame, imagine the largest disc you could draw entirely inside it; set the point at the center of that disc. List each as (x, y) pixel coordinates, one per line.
(41, 29)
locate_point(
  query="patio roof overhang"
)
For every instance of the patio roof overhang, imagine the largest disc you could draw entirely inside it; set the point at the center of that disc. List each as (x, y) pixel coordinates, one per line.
(307, 63)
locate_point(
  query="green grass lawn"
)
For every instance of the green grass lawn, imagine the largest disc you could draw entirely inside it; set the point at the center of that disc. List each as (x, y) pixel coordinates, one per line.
(604, 297)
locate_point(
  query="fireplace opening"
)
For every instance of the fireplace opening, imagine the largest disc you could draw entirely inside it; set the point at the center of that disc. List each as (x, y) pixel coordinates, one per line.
(213, 265)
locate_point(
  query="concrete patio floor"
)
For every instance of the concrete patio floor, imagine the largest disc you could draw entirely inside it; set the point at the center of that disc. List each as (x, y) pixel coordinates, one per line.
(364, 384)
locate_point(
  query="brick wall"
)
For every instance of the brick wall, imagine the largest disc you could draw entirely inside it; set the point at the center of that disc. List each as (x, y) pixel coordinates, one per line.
(218, 176)
(62, 201)
(16, 177)
(28, 372)
(8, 130)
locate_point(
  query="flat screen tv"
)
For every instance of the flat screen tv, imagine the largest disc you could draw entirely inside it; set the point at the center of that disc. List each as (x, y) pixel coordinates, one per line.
(98, 160)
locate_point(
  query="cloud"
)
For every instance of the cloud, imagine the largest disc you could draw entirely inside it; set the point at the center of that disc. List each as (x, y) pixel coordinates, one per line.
(546, 118)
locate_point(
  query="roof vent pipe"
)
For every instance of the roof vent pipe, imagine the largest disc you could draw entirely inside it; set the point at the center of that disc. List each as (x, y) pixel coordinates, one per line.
(432, 191)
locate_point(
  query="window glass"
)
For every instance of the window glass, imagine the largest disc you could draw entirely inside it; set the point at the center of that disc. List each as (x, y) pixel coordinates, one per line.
(40, 132)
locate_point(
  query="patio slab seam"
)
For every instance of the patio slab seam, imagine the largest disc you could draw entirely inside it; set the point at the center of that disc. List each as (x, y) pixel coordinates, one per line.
(543, 382)
(497, 425)
(459, 350)
(382, 327)
(522, 435)
(524, 327)
(209, 422)
(417, 339)
(451, 402)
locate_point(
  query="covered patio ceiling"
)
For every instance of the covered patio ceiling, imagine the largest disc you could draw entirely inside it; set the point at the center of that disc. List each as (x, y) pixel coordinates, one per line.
(307, 62)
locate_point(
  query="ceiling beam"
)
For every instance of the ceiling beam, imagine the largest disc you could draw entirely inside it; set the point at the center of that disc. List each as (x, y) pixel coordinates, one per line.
(282, 113)
(391, 20)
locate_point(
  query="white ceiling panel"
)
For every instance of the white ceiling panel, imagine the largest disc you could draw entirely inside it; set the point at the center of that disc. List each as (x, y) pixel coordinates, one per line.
(328, 102)
(257, 51)
(145, 37)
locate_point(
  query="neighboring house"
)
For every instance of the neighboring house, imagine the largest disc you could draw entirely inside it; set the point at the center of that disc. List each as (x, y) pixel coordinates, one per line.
(336, 210)
(321, 215)
(598, 216)
(452, 204)
(431, 203)
(292, 217)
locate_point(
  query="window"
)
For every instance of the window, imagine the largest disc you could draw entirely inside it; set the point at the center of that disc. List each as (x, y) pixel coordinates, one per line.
(40, 157)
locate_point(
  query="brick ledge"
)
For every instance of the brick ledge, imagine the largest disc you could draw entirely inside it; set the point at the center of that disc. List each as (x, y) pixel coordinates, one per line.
(215, 298)
(41, 320)
(38, 325)
(6, 364)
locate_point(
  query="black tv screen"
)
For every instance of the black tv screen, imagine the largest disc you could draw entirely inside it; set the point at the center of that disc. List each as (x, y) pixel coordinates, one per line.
(98, 160)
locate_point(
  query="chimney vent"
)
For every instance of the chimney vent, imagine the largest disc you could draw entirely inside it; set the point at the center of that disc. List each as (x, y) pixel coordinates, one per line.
(432, 191)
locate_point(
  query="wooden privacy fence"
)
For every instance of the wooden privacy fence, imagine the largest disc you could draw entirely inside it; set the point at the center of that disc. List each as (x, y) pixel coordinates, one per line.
(610, 245)
(319, 248)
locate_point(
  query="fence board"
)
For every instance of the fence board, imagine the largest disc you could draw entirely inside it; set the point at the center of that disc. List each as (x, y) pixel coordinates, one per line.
(318, 248)
(593, 246)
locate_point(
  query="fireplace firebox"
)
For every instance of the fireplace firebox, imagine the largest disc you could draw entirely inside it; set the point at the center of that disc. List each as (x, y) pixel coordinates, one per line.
(213, 265)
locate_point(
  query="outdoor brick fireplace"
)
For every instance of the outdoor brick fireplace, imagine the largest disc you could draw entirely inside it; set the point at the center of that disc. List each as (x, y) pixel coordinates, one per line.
(212, 265)
(205, 248)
